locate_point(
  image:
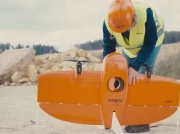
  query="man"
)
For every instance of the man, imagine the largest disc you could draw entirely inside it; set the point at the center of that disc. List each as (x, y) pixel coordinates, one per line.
(140, 31)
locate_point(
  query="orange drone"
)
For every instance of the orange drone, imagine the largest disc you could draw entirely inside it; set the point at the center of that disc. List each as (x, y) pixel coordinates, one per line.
(91, 97)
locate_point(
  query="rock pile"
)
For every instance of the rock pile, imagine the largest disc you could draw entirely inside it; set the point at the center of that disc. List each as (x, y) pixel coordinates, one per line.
(22, 67)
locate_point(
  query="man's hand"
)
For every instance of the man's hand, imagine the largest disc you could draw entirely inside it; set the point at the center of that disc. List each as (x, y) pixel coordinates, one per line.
(132, 76)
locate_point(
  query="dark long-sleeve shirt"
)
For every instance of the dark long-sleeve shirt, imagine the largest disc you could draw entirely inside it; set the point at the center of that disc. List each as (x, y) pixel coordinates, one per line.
(149, 41)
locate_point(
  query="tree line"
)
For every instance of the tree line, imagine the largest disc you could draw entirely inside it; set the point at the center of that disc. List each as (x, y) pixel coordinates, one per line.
(170, 37)
(39, 48)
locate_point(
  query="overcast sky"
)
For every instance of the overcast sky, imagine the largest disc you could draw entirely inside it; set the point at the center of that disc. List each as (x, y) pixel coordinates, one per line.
(63, 23)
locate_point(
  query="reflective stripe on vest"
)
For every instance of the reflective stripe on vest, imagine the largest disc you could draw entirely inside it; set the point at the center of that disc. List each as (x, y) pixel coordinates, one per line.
(137, 33)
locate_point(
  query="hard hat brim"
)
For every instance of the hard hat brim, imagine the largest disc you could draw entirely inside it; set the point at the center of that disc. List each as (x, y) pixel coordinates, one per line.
(119, 30)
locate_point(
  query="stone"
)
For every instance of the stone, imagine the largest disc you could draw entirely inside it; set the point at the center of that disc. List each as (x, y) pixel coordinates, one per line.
(97, 67)
(81, 53)
(72, 51)
(13, 84)
(66, 68)
(17, 76)
(27, 67)
(90, 57)
(81, 59)
(48, 65)
(27, 83)
(24, 80)
(69, 64)
(54, 57)
(55, 68)
(32, 73)
(7, 83)
(18, 59)
(42, 71)
(41, 59)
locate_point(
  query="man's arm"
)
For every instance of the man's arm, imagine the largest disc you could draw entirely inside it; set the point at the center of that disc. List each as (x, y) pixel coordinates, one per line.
(149, 41)
(109, 45)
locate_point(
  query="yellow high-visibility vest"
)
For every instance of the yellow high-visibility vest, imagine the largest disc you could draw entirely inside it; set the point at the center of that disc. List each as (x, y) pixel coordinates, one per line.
(136, 37)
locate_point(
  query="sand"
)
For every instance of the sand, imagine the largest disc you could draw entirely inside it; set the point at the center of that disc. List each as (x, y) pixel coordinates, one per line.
(20, 114)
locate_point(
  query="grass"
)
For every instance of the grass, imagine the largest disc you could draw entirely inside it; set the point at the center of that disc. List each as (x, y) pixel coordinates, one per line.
(168, 62)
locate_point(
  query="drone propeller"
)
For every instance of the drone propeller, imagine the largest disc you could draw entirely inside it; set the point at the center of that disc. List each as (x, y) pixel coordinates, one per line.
(78, 65)
(79, 60)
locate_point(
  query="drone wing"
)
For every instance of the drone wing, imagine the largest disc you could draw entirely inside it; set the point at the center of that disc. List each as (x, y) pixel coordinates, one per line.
(159, 91)
(64, 87)
(152, 100)
(70, 98)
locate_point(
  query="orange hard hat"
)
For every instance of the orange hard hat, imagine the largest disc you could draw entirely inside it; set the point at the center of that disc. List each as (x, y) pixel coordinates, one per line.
(120, 15)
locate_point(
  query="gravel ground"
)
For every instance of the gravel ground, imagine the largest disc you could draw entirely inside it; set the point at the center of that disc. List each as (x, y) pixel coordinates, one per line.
(20, 114)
